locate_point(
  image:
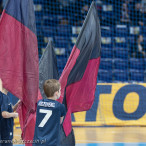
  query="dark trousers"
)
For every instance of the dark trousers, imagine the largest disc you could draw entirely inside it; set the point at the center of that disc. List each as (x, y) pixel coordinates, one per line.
(0, 139)
(6, 144)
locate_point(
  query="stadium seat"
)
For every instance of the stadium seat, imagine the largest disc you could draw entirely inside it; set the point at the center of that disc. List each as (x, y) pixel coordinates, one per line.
(38, 13)
(39, 30)
(131, 39)
(76, 30)
(61, 61)
(49, 30)
(121, 30)
(131, 42)
(143, 30)
(135, 63)
(106, 31)
(106, 53)
(38, 20)
(106, 42)
(136, 75)
(120, 75)
(145, 64)
(41, 43)
(60, 51)
(121, 53)
(64, 30)
(106, 64)
(134, 30)
(121, 64)
(38, 23)
(38, 7)
(144, 42)
(120, 37)
(104, 76)
(37, 2)
(61, 41)
(50, 20)
(120, 42)
(107, 14)
(73, 40)
(60, 71)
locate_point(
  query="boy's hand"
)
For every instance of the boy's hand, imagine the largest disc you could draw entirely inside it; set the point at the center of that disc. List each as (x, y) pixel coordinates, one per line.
(16, 105)
(0, 80)
(19, 101)
(1, 85)
(15, 115)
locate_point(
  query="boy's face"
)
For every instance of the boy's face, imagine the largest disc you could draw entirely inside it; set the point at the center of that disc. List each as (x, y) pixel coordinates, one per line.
(57, 94)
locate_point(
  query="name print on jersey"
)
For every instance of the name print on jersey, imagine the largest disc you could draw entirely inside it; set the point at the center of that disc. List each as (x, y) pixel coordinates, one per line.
(46, 104)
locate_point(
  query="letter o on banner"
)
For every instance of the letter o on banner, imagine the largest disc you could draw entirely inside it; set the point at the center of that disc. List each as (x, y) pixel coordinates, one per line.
(120, 96)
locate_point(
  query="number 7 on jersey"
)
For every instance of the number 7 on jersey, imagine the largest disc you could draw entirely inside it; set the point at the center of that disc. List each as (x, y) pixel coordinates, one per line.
(46, 118)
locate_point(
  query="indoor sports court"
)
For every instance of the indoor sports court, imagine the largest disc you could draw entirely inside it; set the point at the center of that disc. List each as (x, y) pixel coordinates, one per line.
(105, 136)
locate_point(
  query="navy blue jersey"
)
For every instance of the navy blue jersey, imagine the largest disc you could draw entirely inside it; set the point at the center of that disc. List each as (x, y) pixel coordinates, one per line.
(47, 125)
(7, 123)
(1, 100)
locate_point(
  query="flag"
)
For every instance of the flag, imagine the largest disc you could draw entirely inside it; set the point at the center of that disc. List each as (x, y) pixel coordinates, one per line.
(79, 77)
(47, 67)
(67, 140)
(47, 70)
(19, 55)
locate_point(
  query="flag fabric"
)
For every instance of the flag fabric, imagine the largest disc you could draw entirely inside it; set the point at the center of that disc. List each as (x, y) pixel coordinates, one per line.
(19, 55)
(47, 70)
(67, 140)
(79, 77)
(47, 67)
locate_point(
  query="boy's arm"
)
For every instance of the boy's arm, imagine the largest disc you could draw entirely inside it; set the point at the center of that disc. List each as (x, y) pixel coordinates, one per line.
(2, 90)
(1, 87)
(4, 108)
(6, 114)
(61, 119)
(16, 105)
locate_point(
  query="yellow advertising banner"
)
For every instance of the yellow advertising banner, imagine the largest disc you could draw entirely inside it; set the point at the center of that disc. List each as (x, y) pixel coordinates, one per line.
(115, 104)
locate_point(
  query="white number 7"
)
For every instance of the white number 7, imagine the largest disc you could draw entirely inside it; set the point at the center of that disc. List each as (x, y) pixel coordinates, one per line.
(46, 118)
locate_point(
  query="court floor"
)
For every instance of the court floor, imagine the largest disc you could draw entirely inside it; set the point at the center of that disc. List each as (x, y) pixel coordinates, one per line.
(108, 144)
(105, 136)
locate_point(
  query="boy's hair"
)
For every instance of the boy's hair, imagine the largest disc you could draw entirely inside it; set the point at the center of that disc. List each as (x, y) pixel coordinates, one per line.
(51, 86)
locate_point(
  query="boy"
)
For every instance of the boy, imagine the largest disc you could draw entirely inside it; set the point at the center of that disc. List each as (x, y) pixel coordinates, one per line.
(7, 112)
(49, 116)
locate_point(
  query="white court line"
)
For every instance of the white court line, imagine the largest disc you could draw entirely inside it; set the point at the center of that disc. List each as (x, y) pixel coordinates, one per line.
(91, 141)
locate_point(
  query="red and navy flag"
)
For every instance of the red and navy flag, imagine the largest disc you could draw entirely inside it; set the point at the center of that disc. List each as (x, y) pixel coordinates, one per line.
(48, 70)
(47, 67)
(79, 77)
(19, 54)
